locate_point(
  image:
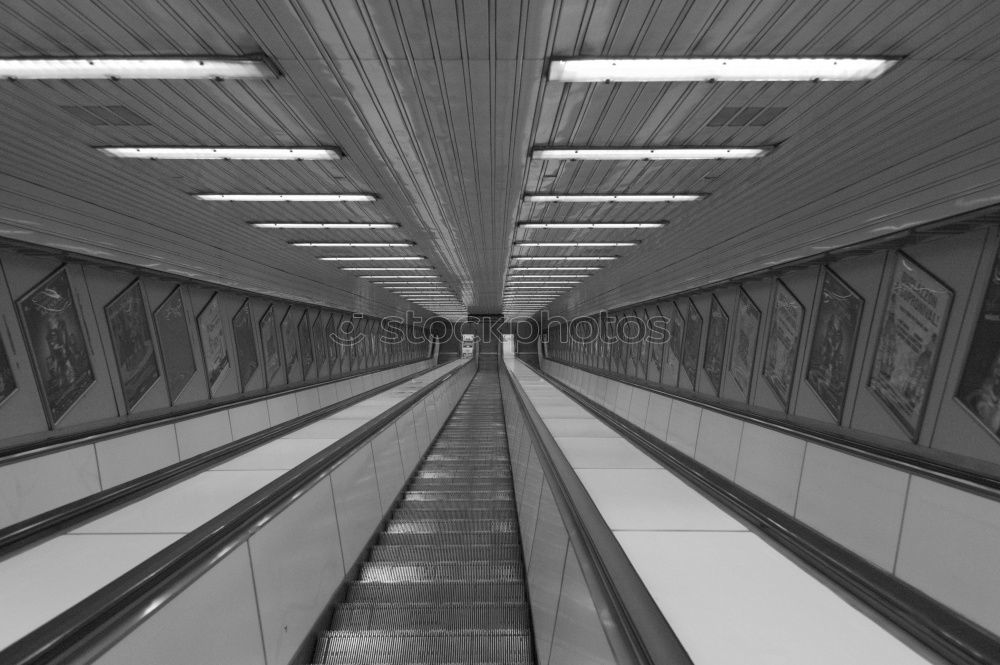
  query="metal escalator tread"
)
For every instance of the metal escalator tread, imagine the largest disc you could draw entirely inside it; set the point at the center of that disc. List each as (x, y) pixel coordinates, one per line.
(444, 583)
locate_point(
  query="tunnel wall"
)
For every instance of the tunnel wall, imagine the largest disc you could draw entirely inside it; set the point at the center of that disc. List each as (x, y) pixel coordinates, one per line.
(99, 377)
(949, 431)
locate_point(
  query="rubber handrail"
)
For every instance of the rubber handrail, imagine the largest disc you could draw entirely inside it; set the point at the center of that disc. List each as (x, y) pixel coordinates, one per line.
(964, 479)
(635, 627)
(93, 625)
(938, 627)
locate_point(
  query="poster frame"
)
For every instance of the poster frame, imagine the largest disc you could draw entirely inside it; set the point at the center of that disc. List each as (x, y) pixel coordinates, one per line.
(755, 342)
(289, 366)
(212, 385)
(715, 306)
(786, 402)
(172, 399)
(993, 275)
(269, 314)
(5, 357)
(691, 372)
(135, 283)
(245, 306)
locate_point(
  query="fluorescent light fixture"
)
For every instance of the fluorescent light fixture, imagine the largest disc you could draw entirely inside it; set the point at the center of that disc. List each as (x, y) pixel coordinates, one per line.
(518, 268)
(209, 67)
(537, 289)
(399, 283)
(575, 244)
(518, 281)
(377, 269)
(592, 225)
(256, 154)
(400, 277)
(564, 258)
(591, 70)
(636, 154)
(324, 225)
(290, 198)
(352, 244)
(371, 258)
(525, 277)
(611, 198)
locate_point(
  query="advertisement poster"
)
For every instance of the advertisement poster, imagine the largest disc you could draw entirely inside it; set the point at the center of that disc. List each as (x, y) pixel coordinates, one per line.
(269, 341)
(744, 341)
(715, 343)
(7, 383)
(290, 343)
(171, 322)
(670, 358)
(56, 344)
(653, 345)
(319, 344)
(246, 348)
(979, 387)
(213, 342)
(834, 338)
(691, 347)
(909, 341)
(333, 348)
(305, 343)
(132, 341)
(783, 343)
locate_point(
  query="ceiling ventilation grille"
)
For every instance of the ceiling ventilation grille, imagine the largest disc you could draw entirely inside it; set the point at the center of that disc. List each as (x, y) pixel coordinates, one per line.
(745, 116)
(106, 116)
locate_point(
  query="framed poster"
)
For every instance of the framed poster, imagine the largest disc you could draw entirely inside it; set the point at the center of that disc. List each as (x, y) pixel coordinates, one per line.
(744, 351)
(319, 345)
(7, 383)
(979, 386)
(671, 350)
(305, 343)
(290, 343)
(171, 322)
(909, 341)
(269, 342)
(691, 346)
(715, 343)
(213, 343)
(332, 345)
(56, 344)
(132, 341)
(835, 335)
(782, 348)
(652, 347)
(247, 360)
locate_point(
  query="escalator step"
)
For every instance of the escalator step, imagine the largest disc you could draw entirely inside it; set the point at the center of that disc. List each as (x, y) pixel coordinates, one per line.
(443, 553)
(453, 616)
(420, 647)
(446, 539)
(386, 572)
(439, 592)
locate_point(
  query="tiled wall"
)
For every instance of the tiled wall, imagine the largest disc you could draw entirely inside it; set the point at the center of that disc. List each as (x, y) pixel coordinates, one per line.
(567, 627)
(38, 484)
(263, 598)
(941, 539)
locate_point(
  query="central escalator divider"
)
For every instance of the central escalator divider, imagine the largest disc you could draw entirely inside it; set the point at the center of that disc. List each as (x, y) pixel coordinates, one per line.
(445, 581)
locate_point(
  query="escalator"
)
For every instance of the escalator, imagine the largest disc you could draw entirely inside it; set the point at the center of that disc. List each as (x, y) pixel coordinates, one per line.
(445, 581)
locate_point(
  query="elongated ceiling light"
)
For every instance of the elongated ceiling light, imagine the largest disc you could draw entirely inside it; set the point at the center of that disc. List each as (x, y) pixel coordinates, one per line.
(553, 268)
(517, 280)
(396, 276)
(256, 154)
(592, 70)
(377, 269)
(290, 198)
(548, 276)
(611, 198)
(354, 259)
(637, 154)
(324, 225)
(398, 283)
(564, 258)
(352, 244)
(592, 225)
(209, 67)
(575, 244)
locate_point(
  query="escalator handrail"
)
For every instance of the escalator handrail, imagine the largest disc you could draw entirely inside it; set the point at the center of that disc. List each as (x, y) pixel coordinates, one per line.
(940, 628)
(29, 532)
(634, 625)
(60, 442)
(93, 625)
(916, 463)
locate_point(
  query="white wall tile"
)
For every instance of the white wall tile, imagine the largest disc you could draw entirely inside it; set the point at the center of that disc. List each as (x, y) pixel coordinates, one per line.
(408, 447)
(282, 408)
(41, 483)
(359, 509)
(719, 442)
(949, 549)
(545, 572)
(682, 433)
(388, 465)
(637, 407)
(623, 400)
(769, 465)
(204, 433)
(527, 504)
(306, 401)
(294, 582)
(327, 394)
(658, 415)
(126, 457)
(249, 419)
(857, 503)
(212, 621)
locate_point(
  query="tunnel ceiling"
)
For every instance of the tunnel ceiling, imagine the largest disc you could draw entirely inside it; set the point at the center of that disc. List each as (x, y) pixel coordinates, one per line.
(437, 105)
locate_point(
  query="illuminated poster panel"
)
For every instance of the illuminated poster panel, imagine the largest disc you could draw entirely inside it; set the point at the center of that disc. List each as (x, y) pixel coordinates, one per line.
(744, 341)
(269, 341)
(782, 348)
(132, 341)
(213, 343)
(691, 348)
(715, 343)
(834, 338)
(979, 387)
(246, 348)
(171, 322)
